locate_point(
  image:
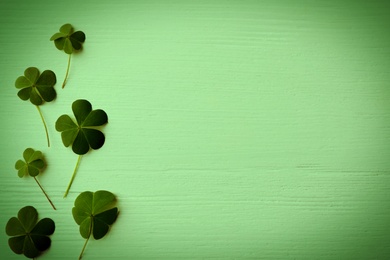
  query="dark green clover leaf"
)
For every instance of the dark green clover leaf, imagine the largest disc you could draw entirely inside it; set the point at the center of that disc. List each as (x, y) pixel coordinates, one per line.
(28, 236)
(94, 212)
(69, 41)
(37, 88)
(32, 165)
(82, 133)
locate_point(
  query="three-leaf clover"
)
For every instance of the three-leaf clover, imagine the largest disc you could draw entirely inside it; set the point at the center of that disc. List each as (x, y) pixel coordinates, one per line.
(29, 237)
(94, 212)
(82, 134)
(32, 165)
(69, 41)
(38, 88)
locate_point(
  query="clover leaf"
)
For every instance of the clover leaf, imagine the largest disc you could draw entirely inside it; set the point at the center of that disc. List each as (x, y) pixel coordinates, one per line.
(28, 236)
(94, 212)
(69, 41)
(38, 88)
(82, 134)
(32, 165)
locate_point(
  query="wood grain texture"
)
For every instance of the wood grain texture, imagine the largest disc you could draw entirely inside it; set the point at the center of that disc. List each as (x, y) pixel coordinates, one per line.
(237, 129)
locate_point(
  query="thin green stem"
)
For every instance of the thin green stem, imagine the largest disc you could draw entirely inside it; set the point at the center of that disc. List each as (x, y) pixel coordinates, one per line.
(44, 124)
(67, 72)
(86, 241)
(51, 203)
(73, 176)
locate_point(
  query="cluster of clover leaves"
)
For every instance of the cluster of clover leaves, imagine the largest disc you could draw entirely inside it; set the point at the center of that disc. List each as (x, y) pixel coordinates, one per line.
(94, 212)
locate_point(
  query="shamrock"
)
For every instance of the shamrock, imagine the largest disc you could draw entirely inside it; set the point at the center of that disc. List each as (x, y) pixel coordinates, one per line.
(38, 88)
(35, 86)
(68, 41)
(94, 212)
(82, 133)
(32, 165)
(27, 236)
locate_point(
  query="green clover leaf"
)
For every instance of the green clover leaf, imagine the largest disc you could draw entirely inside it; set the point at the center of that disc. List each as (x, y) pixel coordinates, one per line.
(28, 236)
(82, 134)
(37, 88)
(94, 212)
(32, 165)
(69, 41)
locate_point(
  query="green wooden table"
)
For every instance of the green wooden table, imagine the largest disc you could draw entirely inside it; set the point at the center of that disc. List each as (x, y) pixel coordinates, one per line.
(237, 129)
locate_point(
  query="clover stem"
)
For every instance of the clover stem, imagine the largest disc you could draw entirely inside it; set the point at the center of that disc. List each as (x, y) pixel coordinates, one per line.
(44, 124)
(73, 176)
(51, 203)
(86, 241)
(67, 72)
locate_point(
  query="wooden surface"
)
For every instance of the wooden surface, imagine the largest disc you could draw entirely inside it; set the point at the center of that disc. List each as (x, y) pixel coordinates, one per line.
(237, 129)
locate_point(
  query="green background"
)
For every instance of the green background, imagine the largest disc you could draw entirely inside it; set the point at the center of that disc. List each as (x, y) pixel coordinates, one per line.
(237, 129)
